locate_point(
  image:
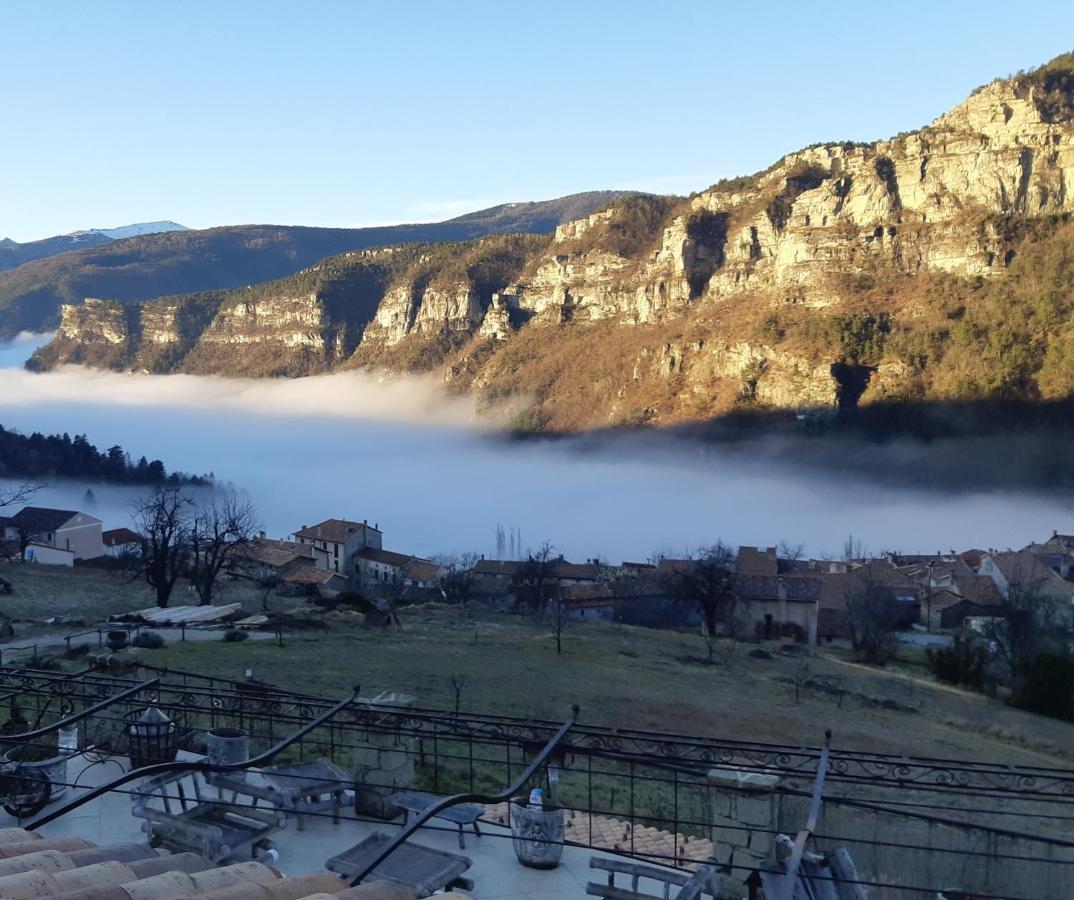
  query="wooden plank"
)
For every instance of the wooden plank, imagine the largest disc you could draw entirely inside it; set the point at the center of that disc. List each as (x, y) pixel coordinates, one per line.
(611, 892)
(845, 874)
(667, 876)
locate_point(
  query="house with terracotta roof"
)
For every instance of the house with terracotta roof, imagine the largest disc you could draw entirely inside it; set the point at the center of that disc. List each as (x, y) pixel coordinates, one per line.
(336, 541)
(967, 596)
(264, 558)
(119, 542)
(1055, 556)
(1061, 541)
(376, 567)
(1026, 571)
(312, 580)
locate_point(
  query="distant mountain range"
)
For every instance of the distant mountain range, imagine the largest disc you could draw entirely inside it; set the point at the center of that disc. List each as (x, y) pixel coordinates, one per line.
(128, 265)
(13, 254)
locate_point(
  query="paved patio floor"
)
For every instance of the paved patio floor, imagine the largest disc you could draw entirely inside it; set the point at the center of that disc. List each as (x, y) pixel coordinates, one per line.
(496, 873)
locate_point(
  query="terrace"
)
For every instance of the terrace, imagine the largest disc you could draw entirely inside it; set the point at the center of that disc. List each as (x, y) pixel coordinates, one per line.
(911, 826)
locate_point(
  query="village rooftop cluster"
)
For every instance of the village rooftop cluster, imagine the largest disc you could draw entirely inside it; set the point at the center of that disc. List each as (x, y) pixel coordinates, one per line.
(756, 592)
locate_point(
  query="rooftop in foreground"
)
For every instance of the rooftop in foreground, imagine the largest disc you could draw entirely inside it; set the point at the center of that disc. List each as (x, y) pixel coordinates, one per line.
(317, 779)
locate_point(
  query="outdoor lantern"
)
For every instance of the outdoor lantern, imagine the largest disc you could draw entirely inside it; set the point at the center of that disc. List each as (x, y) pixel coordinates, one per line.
(154, 738)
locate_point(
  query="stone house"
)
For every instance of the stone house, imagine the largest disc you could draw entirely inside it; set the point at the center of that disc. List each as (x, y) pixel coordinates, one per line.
(946, 608)
(376, 567)
(779, 605)
(313, 580)
(264, 558)
(335, 542)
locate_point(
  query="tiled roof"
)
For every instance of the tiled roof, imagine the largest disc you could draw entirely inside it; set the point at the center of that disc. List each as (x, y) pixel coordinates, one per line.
(40, 518)
(507, 567)
(1027, 569)
(386, 557)
(338, 531)
(269, 552)
(978, 588)
(117, 537)
(422, 570)
(310, 576)
(558, 568)
(797, 588)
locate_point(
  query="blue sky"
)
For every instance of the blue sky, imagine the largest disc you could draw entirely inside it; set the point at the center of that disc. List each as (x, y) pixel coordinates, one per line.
(354, 113)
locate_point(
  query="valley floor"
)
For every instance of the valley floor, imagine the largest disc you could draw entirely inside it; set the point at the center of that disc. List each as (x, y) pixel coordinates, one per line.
(620, 676)
(639, 678)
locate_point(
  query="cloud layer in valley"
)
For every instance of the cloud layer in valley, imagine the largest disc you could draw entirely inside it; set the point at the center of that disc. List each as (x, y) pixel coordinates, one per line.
(405, 455)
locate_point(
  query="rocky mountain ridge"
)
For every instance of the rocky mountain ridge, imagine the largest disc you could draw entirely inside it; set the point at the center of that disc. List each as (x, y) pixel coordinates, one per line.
(14, 254)
(148, 266)
(914, 268)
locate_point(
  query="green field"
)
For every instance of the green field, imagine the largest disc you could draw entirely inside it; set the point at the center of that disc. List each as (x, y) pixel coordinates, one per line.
(639, 678)
(619, 675)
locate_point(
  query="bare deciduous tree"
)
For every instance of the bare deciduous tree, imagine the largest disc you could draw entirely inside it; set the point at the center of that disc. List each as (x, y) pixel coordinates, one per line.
(217, 528)
(162, 521)
(872, 615)
(1027, 624)
(24, 535)
(457, 583)
(536, 577)
(556, 611)
(706, 578)
(19, 493)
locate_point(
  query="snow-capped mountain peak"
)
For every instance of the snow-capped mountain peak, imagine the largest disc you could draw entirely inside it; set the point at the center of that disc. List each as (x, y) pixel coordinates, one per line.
(126, 231)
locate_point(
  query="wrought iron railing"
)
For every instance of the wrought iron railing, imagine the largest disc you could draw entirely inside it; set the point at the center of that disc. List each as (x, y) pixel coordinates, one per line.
(1022, 816)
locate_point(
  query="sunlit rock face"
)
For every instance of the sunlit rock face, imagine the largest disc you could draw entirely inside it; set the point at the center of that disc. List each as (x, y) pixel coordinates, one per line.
(671, 290)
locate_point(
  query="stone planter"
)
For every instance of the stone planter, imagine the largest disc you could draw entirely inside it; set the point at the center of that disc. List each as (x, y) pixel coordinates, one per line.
(53, 769)
(537, 835)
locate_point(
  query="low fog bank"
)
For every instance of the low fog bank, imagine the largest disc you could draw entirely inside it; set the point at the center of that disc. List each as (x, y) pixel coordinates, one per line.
(345, 395)
(403, 455)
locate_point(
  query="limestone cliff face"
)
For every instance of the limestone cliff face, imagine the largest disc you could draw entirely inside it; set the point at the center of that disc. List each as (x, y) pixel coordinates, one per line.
(661, 308)
(923, 201)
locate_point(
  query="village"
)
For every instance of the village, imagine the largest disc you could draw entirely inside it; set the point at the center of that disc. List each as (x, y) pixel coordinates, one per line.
(749, 593)
(705, 683)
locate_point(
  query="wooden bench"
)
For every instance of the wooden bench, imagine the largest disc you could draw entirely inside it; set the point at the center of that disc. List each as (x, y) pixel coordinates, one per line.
(181, 815)
(421, 869)
(691, 886)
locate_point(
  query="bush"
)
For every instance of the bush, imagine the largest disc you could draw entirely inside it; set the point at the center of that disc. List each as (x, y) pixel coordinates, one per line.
(76, 651)
(148, 640)
(1047, 686)
(48, 664)
(234, 636)
(964, 662)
